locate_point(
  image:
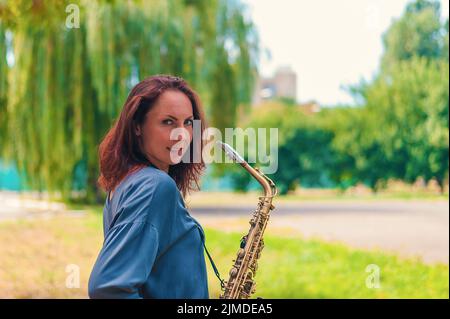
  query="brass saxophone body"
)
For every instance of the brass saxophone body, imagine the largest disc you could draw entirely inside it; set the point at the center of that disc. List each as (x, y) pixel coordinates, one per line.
(241, 283)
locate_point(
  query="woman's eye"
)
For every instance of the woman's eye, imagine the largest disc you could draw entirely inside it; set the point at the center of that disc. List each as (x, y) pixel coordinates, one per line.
(170, 122)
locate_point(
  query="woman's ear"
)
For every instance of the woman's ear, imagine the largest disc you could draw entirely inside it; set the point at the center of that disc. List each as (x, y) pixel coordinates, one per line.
(138, 130)
(136, 127)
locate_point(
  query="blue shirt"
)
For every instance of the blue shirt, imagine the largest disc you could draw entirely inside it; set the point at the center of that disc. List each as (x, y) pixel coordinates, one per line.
(152, 247)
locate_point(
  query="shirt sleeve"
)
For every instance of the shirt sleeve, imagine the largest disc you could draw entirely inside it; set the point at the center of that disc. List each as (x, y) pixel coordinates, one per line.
(125, 261)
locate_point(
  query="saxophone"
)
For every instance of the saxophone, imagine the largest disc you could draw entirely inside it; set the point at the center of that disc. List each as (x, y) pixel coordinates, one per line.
(241, 283)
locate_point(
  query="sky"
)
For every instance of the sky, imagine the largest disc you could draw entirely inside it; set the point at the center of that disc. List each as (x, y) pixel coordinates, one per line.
(329, 44)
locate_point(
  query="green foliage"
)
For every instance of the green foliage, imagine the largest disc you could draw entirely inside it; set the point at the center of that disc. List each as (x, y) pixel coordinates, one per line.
(304, 152)
(411, 104)
(3, 87)
(400, 130)
(417, 33)
(67, 86)
(445, 47)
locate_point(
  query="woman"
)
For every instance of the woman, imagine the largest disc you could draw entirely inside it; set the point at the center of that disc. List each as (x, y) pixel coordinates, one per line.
(152, 247)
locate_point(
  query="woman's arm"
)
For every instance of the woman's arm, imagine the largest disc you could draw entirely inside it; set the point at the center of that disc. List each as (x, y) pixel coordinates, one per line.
(144, 212)
(125, 261)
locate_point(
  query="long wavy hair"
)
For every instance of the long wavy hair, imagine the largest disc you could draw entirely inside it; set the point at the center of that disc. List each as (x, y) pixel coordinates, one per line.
(121, 153)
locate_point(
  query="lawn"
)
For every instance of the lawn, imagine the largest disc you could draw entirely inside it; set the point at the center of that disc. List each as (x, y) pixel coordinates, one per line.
(39, 257)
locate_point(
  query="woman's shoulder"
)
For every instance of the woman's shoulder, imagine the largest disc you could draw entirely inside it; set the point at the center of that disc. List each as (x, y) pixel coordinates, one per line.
(145, 194)
(149, 180)
(151, 176)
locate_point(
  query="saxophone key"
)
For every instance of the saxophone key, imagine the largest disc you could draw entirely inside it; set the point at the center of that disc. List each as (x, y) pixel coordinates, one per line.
(233, 272)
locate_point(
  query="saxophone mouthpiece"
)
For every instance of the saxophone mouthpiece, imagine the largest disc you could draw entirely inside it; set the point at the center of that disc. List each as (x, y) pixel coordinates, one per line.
(230, 152)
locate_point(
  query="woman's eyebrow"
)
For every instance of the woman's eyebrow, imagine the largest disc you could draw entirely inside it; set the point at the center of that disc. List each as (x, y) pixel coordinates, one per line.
(191, 116)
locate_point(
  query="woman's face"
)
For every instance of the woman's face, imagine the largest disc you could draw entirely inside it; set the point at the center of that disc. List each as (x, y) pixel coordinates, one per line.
(171, 114)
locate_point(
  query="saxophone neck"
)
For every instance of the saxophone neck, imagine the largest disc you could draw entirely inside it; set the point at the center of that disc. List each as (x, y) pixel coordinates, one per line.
(270, 190)
(268, 185)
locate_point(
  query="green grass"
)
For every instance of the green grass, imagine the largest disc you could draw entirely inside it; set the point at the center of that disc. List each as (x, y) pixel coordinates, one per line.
(35, 253)
(296, 268)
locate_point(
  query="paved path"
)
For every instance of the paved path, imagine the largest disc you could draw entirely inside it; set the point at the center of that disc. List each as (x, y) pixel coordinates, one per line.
(15, 205)
(408, 228)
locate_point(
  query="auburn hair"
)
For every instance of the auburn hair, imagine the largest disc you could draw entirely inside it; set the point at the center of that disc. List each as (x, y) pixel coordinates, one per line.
(120, 151)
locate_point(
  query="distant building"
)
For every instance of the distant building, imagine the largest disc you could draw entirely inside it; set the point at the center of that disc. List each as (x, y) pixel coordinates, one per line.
(282, 85)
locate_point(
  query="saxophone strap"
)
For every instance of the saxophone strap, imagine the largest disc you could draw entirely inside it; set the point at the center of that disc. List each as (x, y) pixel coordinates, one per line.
(222, 282)
(202, 235)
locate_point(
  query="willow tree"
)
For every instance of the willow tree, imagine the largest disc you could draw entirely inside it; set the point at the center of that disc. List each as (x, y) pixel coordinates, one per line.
(3, 86)
(66, 85)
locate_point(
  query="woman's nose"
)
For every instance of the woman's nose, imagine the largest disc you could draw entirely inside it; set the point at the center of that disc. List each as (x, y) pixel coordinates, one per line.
(183, 133)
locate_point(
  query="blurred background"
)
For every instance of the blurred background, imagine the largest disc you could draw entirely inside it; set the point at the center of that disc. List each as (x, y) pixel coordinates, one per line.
(358, 91)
